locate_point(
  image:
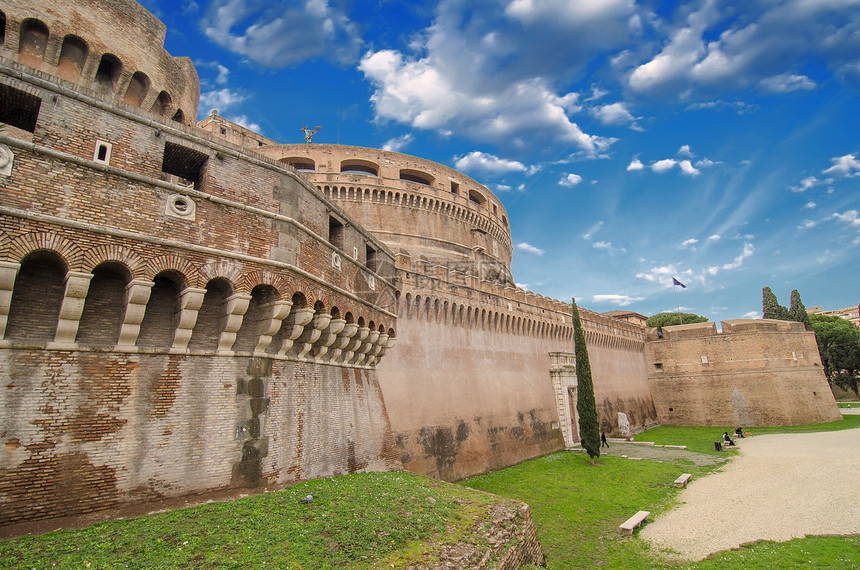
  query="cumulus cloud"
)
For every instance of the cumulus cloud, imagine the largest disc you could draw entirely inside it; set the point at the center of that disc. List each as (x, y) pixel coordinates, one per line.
(786, 83)
(280, 33)
(635, 164)
(807, 224)
(528, 248)
(620, 300)
(220, 99)
(809, 206)
(806, 184)
(849, 217)
(493, 75)
(685, 151)
(667, 164)
(725, 45)
(847, 166)
(247, 123)
(484, 162)
(748, 250)
(714, 237)
(689, 243)
(570, 180)
(615, 114)
(398, 143)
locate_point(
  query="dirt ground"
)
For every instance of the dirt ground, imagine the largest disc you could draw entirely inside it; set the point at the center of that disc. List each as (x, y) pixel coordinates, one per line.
(779, 487)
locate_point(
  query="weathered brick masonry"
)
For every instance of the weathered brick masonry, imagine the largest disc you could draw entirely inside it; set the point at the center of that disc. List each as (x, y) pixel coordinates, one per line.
(173, 316)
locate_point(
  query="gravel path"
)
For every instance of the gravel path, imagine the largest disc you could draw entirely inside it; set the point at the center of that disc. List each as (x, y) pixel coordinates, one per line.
(779, 487)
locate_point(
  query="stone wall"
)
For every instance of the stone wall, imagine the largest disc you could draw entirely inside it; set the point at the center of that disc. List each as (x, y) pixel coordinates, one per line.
(469, 387)
(85, 431)
(754, 373)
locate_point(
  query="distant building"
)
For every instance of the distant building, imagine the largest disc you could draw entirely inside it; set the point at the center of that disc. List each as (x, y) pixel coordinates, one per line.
(848, 313)
(627, 317)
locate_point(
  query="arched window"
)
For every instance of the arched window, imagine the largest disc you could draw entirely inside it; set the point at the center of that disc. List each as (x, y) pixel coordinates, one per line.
(73, 57)
(178, 116)
(207, 329)
(162, 104)
(300, 162)
(138, 87)
(159, 320)
(104, 307)
(416, 176)
(246, 337)
(478, 198)
(359, 167)
(36, 298)
(34, 41)
(109, 72)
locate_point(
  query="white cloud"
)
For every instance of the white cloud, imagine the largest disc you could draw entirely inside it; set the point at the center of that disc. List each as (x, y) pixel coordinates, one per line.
(484, 162)
(662, 274)
(849, 217)
(706, 163)
(398, 143)
(751, 315)
(635, 164)
(714, 237)
(620, 300)
(738, 261)
(848, 166)
(724, 45)
(220, 99)
(281, 33)
(688, 243)
(806, 184)
(570, 180)
(607, 246)
(614, 114)
(809, 206)
(528, 248)
(685, 151)
(786, 83)
(593, 230)
(807, 224)
(667, 164)
(247, 123)
(523, 286)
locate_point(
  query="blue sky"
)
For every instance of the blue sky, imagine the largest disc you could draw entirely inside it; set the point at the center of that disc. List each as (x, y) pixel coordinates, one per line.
(714, 141)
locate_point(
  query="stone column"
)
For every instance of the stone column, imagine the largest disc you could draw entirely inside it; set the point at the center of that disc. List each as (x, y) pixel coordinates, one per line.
(136, 297)
(269, 325)
(190, 301)
(327, 338)
(74, 296)
(295, 324)
(8, 273)
(235, 307)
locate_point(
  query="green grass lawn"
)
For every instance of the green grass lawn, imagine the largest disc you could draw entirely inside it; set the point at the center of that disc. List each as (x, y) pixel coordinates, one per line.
(392, 520)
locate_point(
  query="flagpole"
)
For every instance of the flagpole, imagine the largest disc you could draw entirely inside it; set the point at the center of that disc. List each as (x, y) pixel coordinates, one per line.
(675, 289)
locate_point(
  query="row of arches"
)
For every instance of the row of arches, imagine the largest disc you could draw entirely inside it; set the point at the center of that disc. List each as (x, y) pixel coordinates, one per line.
(408, 200)
(107, 308)
(73, 62)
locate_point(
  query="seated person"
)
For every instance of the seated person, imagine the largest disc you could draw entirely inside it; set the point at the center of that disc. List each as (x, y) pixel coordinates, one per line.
(727, 439)
(739, 432)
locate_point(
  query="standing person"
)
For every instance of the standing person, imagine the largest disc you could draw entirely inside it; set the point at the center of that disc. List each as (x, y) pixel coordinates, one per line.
(603, 440)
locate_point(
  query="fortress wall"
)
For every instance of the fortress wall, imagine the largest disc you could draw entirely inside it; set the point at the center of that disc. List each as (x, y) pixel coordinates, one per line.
(124, 30)
(468, 386)
(754, 373)
(85, 431)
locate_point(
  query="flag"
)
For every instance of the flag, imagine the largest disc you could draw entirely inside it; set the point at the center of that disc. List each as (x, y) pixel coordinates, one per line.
(678, 283)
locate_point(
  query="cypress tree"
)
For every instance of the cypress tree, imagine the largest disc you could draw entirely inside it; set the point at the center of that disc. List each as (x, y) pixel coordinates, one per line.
(770, 307)
(797, 312)
(589, 428)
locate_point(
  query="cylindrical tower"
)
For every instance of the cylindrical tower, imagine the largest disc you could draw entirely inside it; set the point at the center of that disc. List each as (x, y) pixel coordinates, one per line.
(417, 207)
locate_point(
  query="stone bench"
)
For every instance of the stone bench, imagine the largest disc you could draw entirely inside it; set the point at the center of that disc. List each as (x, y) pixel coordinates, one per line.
(683, 480)
(634, 521)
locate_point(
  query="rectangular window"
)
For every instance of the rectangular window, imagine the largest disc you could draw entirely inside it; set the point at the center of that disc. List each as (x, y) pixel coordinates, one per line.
(186, 163)
(335, 232)
(455, 188)
(371, 259)
(102, 152)
(19, 108)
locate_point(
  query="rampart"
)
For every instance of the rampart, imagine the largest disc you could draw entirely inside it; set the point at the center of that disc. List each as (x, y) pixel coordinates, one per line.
(173, 316)
(754, 373)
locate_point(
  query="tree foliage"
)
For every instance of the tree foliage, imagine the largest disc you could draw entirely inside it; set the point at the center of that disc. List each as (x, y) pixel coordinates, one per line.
(589, 427)
(661, 320)
(770, 307)
(839, 346)
(797, 312)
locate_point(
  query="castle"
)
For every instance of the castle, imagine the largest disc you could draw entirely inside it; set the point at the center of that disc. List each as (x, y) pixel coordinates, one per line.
(188, 308)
